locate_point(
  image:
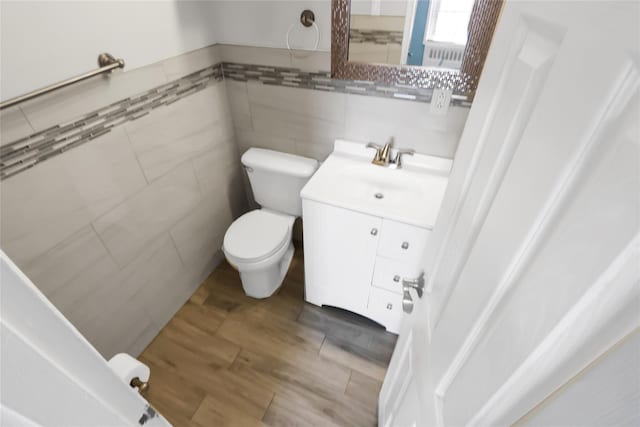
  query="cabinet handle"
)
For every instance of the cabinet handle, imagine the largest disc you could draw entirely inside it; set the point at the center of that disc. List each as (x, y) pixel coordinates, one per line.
(396, 278)
(374, 231)
(405, 245)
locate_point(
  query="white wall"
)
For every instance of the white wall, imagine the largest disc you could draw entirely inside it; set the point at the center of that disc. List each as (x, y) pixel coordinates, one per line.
(265, 23)
(45, 42)
(379, 7)
(48, 41)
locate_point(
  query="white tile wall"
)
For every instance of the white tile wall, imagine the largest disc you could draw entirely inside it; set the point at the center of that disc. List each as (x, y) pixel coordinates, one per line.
(125, 326)
(306, 122)
(70, 102)
(217, 170)
(126, 229)
(313, 150)
(172, 291)
(239, 104)
(411, 124)
(80, 255)
(305, 116)
(95, 282)
(372, 52)
(250, 138)
(197, 234)
(314, 104)
(311, 61)
(376, 53)
(255, 55)
(190, 62)
(379, 22)
(298, 126)
(104, 171)
(305, 60)
(204, 120)
(120, 231)
(200, 233)
(48, 203)
(13, 125)
(156, 263)
(40, 208)
(214, 179)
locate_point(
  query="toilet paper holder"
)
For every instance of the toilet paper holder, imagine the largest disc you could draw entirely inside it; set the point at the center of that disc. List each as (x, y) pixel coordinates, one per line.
(137, 383)
(131, 371)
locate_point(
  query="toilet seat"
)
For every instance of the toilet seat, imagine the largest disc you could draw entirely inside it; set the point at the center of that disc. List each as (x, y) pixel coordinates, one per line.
(257, 235)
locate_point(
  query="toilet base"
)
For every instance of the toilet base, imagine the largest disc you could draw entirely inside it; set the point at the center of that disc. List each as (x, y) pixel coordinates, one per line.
(263, 283)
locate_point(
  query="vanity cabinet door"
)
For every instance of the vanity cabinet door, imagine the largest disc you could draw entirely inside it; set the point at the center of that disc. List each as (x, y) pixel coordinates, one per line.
(339, 255)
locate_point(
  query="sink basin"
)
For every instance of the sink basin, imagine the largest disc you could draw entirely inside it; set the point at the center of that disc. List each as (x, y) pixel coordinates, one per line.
(411, 195)
(373, 184)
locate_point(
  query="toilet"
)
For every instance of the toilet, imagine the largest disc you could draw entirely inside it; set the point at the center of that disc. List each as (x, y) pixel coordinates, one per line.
(259, 243)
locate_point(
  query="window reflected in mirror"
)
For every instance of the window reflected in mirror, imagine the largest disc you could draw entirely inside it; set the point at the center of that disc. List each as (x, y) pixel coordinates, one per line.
(430, 33)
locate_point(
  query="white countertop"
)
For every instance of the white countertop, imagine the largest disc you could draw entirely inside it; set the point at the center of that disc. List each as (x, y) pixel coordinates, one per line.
(411, 195)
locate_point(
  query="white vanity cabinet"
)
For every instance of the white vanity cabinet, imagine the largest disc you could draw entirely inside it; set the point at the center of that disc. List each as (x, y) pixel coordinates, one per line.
(340, 254)
(356, 261)
(366, 227)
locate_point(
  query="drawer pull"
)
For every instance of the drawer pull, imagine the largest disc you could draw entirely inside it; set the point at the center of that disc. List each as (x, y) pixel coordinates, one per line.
(396, 278)
(374, 231)
(405, 245)
(389, 306)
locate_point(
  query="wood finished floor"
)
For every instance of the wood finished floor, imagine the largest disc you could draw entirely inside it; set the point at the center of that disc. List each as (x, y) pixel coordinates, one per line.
(227, 359)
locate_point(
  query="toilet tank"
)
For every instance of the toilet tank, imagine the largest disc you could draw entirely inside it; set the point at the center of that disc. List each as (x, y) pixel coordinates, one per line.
(276, 178)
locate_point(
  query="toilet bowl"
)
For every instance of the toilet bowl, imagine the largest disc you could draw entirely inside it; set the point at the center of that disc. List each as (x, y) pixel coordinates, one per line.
(258, 244)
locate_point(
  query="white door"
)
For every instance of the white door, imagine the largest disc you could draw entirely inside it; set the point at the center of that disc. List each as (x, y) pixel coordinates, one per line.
(50, 374)
(533, 276)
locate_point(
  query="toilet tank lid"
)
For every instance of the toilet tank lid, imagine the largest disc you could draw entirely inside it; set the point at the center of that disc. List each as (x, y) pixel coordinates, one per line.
(276, 161)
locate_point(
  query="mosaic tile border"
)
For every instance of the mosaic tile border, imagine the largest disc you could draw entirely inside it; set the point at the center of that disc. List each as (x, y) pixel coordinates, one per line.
(321, 80)
(27, 152)
(24, 153)
(375, 36)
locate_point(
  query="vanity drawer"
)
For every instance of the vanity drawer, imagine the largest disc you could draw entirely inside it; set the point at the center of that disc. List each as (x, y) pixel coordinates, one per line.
(388, 274)
(402, 242)
(385, 308)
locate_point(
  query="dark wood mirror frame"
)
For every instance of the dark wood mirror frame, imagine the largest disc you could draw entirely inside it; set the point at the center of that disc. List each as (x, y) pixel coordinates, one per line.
(482, 23)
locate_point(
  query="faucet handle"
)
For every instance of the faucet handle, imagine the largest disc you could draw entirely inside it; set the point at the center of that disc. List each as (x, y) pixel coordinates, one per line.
(401, 151)
(378, 157)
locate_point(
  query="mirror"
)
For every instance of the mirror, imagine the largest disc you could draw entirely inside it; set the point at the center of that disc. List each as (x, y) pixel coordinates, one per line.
(421, 43)
(429, 33)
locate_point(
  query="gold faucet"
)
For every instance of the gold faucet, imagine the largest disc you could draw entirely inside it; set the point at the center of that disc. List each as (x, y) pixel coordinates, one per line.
(382, 153)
